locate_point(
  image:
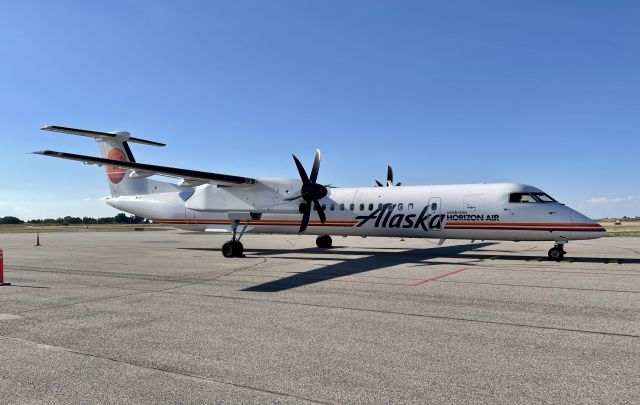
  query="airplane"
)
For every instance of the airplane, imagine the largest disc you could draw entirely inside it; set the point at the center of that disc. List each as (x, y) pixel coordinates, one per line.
(213, 202)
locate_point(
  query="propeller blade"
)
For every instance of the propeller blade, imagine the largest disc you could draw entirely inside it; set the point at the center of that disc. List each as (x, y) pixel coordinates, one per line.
(305, 218)
(389, 175)
(303, 173)
(316, 167)
(321, 214)
(379, 184)
(398, 184)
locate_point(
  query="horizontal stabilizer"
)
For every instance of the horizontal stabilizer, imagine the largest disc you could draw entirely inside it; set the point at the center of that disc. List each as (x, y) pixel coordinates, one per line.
(99, 135)
(145, 170)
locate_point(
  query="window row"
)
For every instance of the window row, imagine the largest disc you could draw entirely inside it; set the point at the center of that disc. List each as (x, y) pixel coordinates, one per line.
(363, 206)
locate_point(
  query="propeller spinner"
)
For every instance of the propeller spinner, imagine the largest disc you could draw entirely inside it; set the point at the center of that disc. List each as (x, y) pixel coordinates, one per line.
(310, 192)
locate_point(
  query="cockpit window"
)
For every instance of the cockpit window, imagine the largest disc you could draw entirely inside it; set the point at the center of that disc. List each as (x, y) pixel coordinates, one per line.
(530, 198)
(543, 197)
(522, 198)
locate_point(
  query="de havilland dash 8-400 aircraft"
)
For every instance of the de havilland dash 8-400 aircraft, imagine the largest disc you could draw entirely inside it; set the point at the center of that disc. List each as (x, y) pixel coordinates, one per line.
(213, 202)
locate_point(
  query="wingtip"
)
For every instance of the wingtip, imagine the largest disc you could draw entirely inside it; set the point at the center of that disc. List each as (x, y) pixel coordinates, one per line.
(46, 152)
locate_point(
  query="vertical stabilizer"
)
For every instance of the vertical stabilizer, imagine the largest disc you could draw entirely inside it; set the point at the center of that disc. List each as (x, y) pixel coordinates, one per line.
(120, 183)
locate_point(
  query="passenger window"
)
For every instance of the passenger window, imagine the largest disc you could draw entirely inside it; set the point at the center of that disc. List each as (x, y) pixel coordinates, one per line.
(370, 207)
(380, 206)
(400, 207)
(361, 207)
(410, 207)
(521, 198)
(341, 207)
(352, 207)
(324, 207)
(434, 206)
(331, 207)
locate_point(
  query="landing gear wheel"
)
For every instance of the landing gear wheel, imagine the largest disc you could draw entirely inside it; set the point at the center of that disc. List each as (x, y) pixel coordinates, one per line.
(324, 241)
(556, 253)
(227, 249)
(238, 249)
(232, 249)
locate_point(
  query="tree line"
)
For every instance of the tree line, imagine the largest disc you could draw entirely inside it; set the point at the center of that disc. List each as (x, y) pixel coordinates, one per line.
(121, 218)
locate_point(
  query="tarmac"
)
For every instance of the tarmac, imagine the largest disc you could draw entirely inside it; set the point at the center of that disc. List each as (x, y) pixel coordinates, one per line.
(163, 317)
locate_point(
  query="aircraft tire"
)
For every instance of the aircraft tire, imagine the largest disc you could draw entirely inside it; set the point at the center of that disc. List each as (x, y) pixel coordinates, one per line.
(556, 253)
(228, 249)
(238, 249)
(324, 241)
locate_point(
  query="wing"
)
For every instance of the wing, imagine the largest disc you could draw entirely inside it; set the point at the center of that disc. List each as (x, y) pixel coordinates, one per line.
(189, 177)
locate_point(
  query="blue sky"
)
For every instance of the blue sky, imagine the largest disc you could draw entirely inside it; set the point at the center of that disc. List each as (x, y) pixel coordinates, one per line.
(545, 93)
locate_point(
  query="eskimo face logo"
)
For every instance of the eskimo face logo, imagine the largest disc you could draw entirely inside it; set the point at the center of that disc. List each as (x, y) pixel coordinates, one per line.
(116, 174)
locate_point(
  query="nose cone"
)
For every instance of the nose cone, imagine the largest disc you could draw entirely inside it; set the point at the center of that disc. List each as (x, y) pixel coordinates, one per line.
(585, 228)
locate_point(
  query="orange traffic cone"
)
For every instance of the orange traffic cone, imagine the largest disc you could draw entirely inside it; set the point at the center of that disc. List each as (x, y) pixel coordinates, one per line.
(2, 269)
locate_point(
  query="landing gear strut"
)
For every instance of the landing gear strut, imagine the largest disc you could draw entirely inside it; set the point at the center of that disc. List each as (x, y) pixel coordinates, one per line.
(324, 241)
(557, 252)
(234, 247)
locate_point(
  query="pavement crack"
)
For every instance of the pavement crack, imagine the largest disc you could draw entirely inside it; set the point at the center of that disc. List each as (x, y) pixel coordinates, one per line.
(160, 369)
(213, 279)
(429, 316)
(138, 292)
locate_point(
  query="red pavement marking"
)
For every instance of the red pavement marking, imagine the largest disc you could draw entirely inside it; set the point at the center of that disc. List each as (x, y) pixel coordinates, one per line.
(440, 276)
(560, 271)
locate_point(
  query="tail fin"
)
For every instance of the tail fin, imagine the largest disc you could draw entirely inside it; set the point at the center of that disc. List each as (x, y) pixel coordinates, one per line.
(120, 183)
(114, 145)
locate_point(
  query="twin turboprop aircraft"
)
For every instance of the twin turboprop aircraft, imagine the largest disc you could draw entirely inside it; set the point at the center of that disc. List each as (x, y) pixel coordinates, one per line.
(213, 202)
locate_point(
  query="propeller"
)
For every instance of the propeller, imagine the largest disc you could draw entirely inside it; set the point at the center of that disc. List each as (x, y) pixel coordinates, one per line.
(310, 192)
(389, 178)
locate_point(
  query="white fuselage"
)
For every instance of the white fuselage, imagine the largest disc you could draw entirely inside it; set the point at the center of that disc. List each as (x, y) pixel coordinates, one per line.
(469, 211)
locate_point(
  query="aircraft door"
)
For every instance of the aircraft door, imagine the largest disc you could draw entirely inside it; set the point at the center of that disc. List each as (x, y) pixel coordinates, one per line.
(433, 210)
(353, 204)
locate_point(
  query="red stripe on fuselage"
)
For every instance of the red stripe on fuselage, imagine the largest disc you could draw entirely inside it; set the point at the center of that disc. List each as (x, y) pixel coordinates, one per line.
(523, 226)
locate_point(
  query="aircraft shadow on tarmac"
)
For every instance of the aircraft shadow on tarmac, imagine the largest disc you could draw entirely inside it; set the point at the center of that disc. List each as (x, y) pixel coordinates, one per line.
(369, 260)
(378, 258)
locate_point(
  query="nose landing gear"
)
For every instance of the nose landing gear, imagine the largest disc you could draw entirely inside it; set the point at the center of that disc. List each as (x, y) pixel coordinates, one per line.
(557, 252)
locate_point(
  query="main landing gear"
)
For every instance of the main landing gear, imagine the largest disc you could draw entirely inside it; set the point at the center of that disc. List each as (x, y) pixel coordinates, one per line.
(557, 252)
(234, 248)
(324, 241)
